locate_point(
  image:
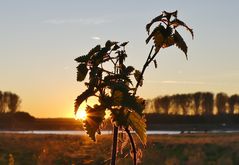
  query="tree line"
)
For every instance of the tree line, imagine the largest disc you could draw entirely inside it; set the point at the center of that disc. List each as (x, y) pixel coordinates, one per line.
(9, 102)
(199, 103)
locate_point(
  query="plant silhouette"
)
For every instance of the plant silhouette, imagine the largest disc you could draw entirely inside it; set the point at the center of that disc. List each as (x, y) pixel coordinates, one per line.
(112, 82)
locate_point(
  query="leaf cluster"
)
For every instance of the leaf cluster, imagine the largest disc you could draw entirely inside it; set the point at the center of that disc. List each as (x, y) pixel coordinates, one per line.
(165, 34)
(112, 87)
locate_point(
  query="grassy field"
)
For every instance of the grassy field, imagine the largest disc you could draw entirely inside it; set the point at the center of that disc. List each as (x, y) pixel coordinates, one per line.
(191, 149)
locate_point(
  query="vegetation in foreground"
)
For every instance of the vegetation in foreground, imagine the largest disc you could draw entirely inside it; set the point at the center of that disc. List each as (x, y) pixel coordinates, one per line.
(161, 149)
(111, 82)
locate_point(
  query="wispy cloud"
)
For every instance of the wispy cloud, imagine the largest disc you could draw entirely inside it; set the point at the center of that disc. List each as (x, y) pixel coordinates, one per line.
(183, 82)
(95, 38)
(85, 21)
(178, 82)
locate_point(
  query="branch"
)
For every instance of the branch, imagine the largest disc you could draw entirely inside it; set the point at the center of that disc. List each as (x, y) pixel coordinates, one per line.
(149, 59)
(114, 149)
(132, 144)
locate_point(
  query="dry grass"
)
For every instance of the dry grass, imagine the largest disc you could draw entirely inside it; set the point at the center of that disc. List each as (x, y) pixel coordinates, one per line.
(191, 149)
(52, 149)
(196, 138)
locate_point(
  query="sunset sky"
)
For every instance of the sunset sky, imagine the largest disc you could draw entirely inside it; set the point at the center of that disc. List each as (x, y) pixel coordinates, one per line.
(39, 41)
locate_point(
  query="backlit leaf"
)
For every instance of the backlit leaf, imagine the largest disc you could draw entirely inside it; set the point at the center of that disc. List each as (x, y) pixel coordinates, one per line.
(117, 97)
(169, 42)
(158, 41)
(180, 43)
(116, 47)
(99, 56)
(164, 17)
(175, 23)
(94, 50)
(156, 19)
(135, 103)
(120, 116)
(82, 97)
(158, 30)
(124, 43)
(128, 70)
(81, 72)
(94, 119)
(83, 58)
(159, 35)
(142, 104)
(109, 43)
(118, 86)
(166, 32)
(138, 124)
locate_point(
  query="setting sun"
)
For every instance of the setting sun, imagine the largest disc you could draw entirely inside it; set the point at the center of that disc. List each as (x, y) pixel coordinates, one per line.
(81, 114)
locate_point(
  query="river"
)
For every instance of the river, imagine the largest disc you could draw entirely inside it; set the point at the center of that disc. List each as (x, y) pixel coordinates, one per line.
(149, 132)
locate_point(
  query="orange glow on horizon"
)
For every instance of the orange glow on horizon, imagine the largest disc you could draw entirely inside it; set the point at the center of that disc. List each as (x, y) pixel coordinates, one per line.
(81, 114)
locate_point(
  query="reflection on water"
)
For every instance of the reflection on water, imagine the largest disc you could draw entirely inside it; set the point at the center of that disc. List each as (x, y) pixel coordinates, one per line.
(150, 132)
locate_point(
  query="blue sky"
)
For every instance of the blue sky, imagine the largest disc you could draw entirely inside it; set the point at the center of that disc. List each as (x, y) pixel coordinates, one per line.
(40, 39)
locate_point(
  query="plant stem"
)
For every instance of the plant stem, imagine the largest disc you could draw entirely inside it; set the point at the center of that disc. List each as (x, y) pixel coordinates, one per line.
(114, 149)
(147, 62)
(132, 144)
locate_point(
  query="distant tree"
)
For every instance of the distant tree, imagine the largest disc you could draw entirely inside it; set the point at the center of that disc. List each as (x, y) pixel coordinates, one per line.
(176, 101)
(6, 100)
(162, 104)
(232, 101)
(165, 104)
(207, 103)
(149, 106)
(185, 101)
(9, 102)
(197, 100)
(221, 100)
(181, 103)
(157, 104)
(14, 102)
(1, 102)
(199, 103)
(237, 105)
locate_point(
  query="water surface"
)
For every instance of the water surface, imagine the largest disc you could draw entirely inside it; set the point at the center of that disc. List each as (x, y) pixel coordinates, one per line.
(149, 132)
